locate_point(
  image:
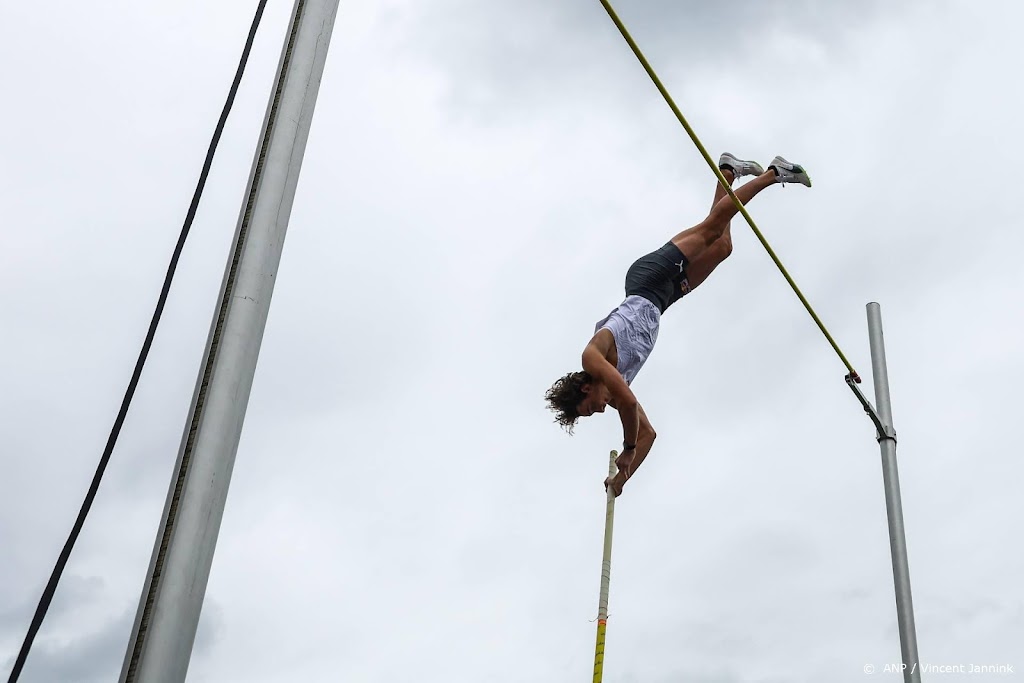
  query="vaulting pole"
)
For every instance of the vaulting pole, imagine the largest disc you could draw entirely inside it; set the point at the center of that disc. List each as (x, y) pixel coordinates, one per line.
(606, 576)
(172, 598)
(893, 500)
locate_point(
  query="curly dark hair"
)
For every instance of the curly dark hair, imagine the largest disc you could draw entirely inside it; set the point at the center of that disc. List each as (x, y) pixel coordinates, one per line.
(564, 395)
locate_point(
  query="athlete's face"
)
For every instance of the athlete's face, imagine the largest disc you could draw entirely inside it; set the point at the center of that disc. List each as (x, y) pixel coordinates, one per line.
(595, 400)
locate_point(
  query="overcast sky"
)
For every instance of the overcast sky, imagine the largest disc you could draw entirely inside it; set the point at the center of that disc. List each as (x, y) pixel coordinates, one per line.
(479, 176)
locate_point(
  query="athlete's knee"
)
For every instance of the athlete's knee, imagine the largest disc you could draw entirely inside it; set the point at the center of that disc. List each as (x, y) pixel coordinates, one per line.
(725, 244)
(711, 231)
(720, 249)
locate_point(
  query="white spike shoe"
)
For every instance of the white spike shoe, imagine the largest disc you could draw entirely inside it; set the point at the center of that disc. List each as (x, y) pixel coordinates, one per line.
(787, 172)
(739, 167)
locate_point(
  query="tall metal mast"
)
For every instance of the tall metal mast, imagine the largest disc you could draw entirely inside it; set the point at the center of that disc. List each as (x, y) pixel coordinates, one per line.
(172, 598)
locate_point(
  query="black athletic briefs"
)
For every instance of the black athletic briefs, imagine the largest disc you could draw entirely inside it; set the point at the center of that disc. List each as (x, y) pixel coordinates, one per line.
(659, 277)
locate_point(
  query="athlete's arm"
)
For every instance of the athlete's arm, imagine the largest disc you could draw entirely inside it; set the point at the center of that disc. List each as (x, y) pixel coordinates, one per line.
(644, 441)
(596, 364)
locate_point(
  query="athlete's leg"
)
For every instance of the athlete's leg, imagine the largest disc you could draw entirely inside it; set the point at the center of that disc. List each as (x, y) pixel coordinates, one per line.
(719, 190)
(708, 260)
(702, 237)
(695, 241)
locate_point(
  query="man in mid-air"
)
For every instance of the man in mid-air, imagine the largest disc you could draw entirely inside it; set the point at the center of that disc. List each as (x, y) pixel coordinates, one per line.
(625, 338)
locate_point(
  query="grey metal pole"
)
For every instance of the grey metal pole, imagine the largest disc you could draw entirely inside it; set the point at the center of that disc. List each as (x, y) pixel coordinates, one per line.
(893, 501)
(172, 598)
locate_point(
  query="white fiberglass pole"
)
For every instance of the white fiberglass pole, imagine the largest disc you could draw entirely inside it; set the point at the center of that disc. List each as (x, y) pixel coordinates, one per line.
(606, 576)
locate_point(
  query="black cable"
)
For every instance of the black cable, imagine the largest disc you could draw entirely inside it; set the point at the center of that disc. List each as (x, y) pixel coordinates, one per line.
(51, 586)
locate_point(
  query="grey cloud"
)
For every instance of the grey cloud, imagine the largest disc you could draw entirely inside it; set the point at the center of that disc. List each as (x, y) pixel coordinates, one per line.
(689, 674)
(92, 655)
(511, 54)
(74, 591)
(97, 653)
(400, 490)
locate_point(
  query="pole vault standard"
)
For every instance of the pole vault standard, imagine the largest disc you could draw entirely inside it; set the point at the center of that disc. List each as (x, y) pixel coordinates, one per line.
(606, 576)
(172, 597)
(882, 418)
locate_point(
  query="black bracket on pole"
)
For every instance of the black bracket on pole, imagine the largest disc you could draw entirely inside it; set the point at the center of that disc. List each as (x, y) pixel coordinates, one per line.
(884, 431)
